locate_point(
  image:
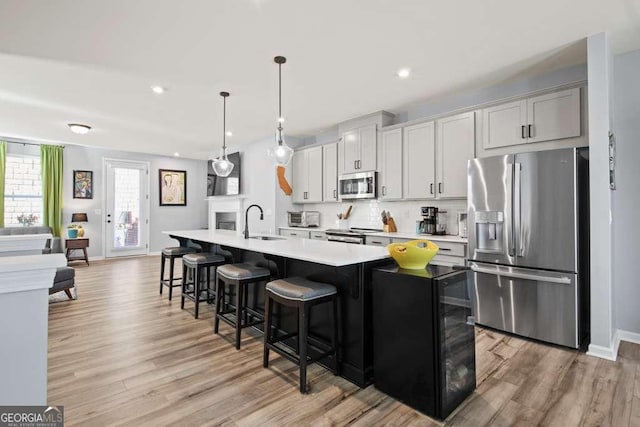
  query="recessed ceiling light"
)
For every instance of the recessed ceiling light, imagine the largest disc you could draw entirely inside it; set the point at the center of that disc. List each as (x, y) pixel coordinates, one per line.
(176, 154)
(403, 73)
(280, 119)
(78, 128)
(229, 133)
(158, 89)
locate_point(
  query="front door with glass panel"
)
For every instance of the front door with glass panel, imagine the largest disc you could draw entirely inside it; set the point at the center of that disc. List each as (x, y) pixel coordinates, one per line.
(126, 208)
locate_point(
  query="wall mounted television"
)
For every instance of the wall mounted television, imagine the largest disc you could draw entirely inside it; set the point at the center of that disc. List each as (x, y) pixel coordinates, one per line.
(225, 186)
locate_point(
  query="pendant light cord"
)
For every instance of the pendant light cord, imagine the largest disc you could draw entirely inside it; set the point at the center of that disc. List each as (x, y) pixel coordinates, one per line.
(279, 104)
(224, 125)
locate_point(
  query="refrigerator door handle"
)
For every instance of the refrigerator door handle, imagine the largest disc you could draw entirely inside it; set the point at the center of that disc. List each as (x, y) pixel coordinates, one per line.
(510, 226)
(517, 210)
(518, 275)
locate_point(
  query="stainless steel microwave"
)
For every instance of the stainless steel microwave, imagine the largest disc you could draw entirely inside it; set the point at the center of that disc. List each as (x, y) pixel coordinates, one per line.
(303, 219)
(359, 185)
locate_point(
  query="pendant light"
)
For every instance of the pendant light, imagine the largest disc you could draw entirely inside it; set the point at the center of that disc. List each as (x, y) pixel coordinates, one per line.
(282, 152)
(222, 166)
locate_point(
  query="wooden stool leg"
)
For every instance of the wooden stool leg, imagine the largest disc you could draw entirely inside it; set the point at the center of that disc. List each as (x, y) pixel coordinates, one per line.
(334, 335)
(267, 329)
(184, 284)
(163, 258)
(239, 310)
(220, 290)
(303, 315)
(196, 289)
(172, 260)
(86, 257)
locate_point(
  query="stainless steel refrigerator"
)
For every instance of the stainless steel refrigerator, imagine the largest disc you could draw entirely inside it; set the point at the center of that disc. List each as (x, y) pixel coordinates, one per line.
(529, 244)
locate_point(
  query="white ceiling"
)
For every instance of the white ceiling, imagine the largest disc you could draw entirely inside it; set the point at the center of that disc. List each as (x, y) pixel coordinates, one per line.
(93, 61)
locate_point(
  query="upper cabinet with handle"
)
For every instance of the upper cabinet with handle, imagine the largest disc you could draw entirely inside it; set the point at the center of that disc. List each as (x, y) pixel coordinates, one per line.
(330, 173)
(455, 145)
(307, 175)
(357, 150)
(546, 117)
(390, 177)
(418, 166)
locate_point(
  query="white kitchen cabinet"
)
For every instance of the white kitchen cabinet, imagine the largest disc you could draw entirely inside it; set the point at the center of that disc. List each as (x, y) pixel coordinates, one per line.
(553, 116)
(391, 165)
(357, 150)
(330, 173)
(504, 124)
(418, 166)
(540, 118)
(302, 234)
(307, 175)
(318, 235)
(455, 145)
(377, 240)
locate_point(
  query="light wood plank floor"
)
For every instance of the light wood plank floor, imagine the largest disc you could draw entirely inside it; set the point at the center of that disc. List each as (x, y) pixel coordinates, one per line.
(122, 354)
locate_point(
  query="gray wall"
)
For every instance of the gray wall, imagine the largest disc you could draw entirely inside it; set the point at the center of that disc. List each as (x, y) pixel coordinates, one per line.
(161, 218)
(626, 198)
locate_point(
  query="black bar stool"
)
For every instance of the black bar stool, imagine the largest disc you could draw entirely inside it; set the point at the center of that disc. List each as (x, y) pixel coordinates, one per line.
(301, 294)
(194, 264)
(172, 253)
(239, 275)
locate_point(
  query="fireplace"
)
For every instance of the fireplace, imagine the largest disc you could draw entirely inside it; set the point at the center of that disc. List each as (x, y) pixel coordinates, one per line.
(226, 221)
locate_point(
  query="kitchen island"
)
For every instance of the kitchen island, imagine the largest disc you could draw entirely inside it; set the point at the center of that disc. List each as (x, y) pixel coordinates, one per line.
(346, 266)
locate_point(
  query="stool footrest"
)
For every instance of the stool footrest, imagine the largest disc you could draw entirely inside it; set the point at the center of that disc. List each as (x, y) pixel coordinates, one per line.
(232, 322)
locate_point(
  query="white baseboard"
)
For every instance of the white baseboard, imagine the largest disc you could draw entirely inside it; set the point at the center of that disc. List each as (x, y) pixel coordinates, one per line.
(96, 258)
(631, 337)
(155, 253)
(609, 353)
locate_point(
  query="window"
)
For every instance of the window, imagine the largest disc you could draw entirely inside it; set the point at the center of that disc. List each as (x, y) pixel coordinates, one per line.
(22, 191)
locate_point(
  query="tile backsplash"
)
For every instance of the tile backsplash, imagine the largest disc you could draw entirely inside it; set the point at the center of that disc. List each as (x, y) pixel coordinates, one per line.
(366, 213)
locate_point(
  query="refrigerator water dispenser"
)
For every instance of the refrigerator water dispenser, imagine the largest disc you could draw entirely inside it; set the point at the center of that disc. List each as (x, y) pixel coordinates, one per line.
(489, 229)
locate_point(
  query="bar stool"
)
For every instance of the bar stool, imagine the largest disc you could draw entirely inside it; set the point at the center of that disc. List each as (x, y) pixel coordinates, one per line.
(301, 294)
(239, 275)
(172, 253)
(194, 264)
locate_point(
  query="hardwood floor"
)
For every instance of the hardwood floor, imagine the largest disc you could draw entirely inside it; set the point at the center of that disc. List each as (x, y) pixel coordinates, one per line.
(122, 354)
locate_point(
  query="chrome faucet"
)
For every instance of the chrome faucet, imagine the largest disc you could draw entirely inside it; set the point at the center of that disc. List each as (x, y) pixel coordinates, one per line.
(246, 219)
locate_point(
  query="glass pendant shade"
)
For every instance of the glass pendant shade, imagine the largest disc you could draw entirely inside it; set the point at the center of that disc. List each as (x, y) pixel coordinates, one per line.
(282, 153)
(222, 166)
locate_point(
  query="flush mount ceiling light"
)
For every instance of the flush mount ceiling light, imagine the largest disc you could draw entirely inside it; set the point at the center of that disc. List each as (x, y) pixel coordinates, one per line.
(176, 154)
(158, 89)
(403, 73)
(282, 153)
(78, 128)
(229, 133)
(222, 166)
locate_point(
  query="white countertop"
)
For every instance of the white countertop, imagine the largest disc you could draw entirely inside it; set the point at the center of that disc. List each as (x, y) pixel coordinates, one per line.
(398, 235)
(28, 272)
(319, 251)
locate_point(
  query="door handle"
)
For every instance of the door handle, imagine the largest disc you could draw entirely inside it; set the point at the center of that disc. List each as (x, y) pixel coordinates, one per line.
(522, 132)
(431, 188)
(355, 164)
(525, 276)
(440, 187)
(517, 207)
(359, 164)
(335, 194)
(530, 127)
(108, 221)
(511, 227)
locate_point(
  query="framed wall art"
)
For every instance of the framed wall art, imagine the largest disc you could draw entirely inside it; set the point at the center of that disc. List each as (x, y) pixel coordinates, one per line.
(82, 184)
(173, 187)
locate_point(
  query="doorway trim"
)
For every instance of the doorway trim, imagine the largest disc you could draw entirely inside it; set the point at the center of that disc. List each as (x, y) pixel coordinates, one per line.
(147, 225)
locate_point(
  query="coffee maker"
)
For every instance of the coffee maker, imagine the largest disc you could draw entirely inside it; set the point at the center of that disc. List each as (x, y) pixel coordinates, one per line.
(432, 221)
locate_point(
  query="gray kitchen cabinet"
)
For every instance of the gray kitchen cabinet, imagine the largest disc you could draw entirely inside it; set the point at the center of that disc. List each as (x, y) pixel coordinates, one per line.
(330, 172)
(307, 175)
(357, 150)
(391, 165)
(302, 234)
(455, 145)
(418, 166)
(547, 117)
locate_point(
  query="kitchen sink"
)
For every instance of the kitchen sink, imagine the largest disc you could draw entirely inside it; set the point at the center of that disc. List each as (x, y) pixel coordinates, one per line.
(267, 238)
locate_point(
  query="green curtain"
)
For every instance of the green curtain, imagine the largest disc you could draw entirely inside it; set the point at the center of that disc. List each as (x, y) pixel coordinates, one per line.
(51, 159)
(3, 164)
